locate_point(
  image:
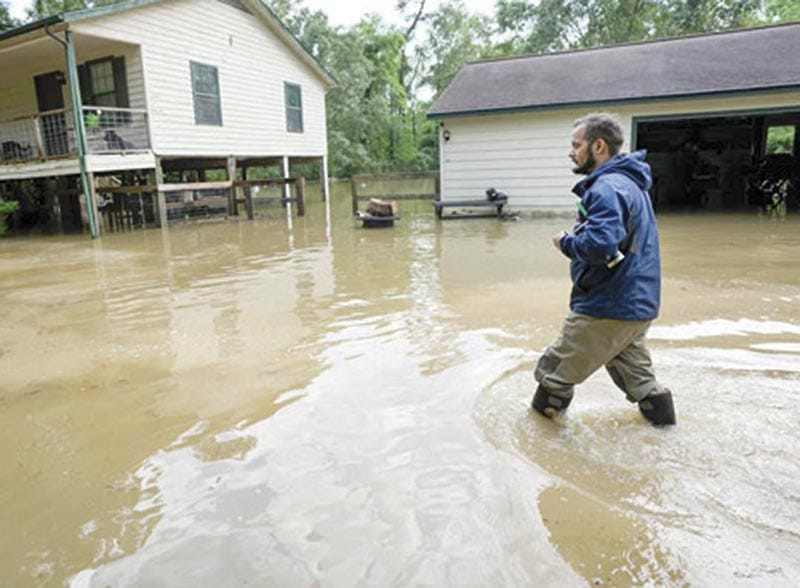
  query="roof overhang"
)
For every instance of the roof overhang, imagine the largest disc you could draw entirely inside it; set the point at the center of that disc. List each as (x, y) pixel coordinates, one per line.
(28, 31)
(611, 102)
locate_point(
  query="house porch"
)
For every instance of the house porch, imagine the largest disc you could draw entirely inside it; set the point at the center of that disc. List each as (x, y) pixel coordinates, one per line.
(38, 135)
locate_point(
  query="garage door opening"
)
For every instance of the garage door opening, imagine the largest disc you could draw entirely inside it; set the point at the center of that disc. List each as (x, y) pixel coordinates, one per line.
(724, 163)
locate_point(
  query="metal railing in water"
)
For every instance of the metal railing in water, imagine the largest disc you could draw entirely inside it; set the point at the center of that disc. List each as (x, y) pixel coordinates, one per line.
(51, 134)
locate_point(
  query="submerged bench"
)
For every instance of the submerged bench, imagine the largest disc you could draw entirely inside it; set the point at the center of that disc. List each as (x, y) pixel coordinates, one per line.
(497, 203)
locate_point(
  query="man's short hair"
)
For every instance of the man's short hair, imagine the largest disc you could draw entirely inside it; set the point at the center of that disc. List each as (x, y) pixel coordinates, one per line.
(605, 126)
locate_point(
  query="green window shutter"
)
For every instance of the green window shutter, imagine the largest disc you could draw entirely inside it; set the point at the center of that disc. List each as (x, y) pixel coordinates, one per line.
(121, 82)
(85, 81)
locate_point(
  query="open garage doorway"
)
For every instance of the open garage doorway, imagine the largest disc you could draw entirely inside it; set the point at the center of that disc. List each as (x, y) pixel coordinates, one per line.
(731, 162)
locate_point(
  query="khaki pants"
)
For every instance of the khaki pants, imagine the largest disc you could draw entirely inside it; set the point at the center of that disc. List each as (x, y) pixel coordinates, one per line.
(587, 343)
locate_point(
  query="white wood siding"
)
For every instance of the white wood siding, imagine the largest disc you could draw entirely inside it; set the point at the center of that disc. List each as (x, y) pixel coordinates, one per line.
(526, 154)
(17, 88)
(252, 65)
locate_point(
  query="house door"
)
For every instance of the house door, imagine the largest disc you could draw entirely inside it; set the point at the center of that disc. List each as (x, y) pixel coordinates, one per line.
(50, 96)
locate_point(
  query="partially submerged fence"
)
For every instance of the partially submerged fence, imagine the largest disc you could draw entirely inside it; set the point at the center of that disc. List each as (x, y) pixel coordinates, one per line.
(250, 199)
(396, 186)
(124, 207)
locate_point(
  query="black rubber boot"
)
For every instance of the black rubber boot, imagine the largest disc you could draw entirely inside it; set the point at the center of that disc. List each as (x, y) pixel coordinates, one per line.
(547, 403)
(658, 408)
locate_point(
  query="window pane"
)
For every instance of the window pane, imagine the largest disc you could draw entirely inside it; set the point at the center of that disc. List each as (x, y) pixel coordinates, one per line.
(205, 87)
(294, 107)
(207, 110)
(294, 121)
(780, 139)
(293, 97)
(102, 77)
(105, 99)
(204, 78)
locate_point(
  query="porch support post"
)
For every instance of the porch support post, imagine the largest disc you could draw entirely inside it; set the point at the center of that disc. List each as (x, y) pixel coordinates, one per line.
(233, 205)
(248, 194)
(92, 208)
(80, 132)
(161, 197)
(323, 170)
(300, 190)
(323, 179)
(285, 170)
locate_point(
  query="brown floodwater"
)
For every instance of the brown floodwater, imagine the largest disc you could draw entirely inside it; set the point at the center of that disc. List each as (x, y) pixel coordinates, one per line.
(310, 403)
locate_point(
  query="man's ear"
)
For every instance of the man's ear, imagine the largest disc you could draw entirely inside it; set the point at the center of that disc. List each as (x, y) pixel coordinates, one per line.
(599, 147)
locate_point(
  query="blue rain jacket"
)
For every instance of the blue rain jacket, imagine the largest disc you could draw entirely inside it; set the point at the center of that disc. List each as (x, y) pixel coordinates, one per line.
(615, 214)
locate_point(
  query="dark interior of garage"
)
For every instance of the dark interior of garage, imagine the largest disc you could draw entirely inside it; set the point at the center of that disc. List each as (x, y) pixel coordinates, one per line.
(724, 163)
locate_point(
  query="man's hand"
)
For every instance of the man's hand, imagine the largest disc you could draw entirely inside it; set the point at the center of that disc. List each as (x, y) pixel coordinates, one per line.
(557, 240)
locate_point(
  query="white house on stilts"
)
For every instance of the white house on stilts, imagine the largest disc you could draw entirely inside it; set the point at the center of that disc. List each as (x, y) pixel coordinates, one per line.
(96, 102)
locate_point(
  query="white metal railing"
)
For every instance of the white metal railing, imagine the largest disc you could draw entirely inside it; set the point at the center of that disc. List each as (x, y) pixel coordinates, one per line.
(115, 129)
(51, 134)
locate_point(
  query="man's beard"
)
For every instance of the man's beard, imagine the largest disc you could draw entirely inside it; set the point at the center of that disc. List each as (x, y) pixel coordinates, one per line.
(587, 166)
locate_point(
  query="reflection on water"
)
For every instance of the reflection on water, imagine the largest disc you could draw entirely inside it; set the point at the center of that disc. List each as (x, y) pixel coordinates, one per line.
(315, 403)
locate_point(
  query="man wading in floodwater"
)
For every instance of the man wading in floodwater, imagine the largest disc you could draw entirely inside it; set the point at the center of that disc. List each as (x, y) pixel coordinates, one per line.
(616, 278)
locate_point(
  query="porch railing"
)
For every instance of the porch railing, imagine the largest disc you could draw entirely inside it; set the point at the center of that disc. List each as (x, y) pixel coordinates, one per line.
(51, 134)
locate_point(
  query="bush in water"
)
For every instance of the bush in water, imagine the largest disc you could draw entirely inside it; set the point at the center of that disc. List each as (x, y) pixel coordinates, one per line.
(6, 208)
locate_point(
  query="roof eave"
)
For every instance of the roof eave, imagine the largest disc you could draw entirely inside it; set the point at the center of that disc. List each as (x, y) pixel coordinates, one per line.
(105, 10)
(73, 16)
(579, 104)
(31, 27)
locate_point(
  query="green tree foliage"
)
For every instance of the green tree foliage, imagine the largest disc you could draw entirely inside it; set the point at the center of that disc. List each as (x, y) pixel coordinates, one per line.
(679, 17)
(454, 38)
(780, 139)
(42, 8)
(783, 10)
(6, 22)
(369, 108)
(553, 25)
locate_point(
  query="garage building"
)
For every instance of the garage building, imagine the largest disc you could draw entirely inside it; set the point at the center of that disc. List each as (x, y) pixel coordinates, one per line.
(718, 114)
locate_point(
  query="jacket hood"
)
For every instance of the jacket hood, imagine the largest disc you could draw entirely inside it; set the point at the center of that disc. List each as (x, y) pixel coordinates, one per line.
(632, 165)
